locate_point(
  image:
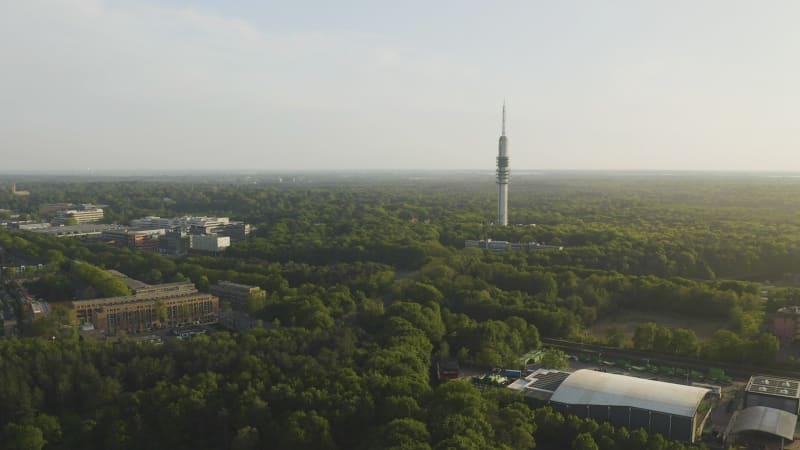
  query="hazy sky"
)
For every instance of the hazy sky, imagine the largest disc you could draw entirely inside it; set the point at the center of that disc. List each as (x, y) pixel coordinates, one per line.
(373, 84)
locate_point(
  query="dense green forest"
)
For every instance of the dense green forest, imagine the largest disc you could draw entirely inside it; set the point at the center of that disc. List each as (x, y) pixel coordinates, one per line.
(368, 283)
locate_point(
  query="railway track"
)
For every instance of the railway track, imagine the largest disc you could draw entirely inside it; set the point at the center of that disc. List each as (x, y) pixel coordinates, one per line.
(734, 370)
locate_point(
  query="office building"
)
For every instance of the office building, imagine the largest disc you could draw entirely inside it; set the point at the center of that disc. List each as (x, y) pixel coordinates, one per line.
(210, 244)
(237, 231)
(197, 225)
(145, 240)
(174, 243)
(86, 213)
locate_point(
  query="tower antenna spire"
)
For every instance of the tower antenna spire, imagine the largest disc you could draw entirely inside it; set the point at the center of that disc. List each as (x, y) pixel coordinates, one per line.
(504, 118)
(502, 175)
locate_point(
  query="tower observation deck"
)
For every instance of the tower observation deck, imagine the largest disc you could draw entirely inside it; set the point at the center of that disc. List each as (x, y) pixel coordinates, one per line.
(503, 175)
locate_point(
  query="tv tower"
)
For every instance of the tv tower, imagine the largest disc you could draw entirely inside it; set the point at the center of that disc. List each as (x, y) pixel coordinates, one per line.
(502, 176)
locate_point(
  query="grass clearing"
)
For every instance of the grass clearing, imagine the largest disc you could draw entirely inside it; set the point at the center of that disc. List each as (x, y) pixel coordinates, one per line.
(704, 327)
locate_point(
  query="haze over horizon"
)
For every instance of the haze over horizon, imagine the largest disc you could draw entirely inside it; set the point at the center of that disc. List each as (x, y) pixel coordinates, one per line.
(357, 85)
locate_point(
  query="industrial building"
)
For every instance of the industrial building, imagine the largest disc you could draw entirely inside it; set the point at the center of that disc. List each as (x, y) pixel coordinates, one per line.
(166, 305)
(769, 417)
(760, 423)
(773, 392)
(658, 407)
(236, 293)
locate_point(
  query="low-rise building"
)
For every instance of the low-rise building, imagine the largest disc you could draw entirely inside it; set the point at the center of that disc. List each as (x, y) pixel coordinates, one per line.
(240, 321)
(769, 415)
(29, 225)
(237, 231)
(198, 225)
(236, 293)
(85, 213)
(85, 230)
(145, 240)
(210, 243)
(505, 246)
(785, 324)
(773, 392)
(175, 243)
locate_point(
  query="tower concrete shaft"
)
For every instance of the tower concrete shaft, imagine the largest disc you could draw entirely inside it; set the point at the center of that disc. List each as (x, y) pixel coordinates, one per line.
(503, 175)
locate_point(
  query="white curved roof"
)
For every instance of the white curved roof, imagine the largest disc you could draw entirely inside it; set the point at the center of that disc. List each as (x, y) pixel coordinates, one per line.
(590, 387)
(766, 420)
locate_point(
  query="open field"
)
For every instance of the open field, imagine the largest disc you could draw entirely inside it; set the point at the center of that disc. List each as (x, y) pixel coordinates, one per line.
(628, 321)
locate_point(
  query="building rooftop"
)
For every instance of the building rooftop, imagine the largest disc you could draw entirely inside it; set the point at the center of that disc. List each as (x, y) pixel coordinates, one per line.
(77, 230)
(150, 292)
(781, 387)
(589, 387)
(130, 282)
(231, 284)
(766, 420)
(790, 310)
(541, 383)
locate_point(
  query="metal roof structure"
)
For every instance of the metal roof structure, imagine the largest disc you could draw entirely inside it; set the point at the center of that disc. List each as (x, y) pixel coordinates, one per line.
(766, 420)
(543, 381)
(589, 387)
(779, 387)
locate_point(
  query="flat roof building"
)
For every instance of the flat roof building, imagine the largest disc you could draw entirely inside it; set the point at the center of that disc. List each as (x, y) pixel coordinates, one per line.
(210, 243)
(774, 392)
(175, 243)
(165, 305)
(145, 240)
(85, 230)
(85, 213)
(505, 246)
(236, 293)
(198, 225)
(29, 225)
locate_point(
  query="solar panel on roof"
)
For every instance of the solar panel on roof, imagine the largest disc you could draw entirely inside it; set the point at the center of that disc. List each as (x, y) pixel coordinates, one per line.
(549, 381)
(774, 386)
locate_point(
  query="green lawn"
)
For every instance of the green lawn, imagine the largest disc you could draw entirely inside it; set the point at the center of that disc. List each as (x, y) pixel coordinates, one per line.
(629, 320)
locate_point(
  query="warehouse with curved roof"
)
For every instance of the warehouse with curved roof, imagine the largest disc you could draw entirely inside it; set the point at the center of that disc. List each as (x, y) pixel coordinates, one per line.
(764, 419)
(658, 407)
